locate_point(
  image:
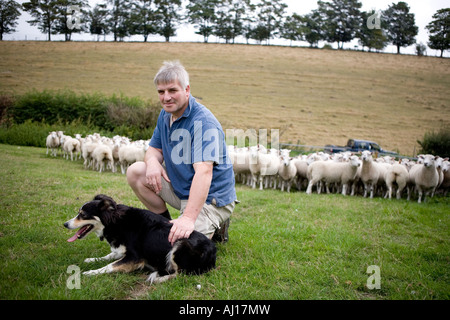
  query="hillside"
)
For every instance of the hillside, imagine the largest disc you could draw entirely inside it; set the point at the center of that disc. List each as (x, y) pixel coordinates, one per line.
(314, 97)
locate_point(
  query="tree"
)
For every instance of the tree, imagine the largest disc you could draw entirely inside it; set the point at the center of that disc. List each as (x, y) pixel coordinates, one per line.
(230, 18)
(421, 49)
(400, 25)
(202, 14)
(9, 12)
(142, 18)
(439, 30)
(293, 28)
(44, 12)
(55, 16)
(270, 16)
(97, 20)
(168, 17)
(342, 20)
(223, 26)
(313, 28)
(68, 11)
(371, 37)
(119, 22)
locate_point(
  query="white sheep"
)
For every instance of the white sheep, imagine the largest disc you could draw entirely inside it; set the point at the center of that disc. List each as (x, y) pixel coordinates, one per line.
(302, 167)
(329, 172)
(70, 146)
(369, 173)
(239, 157)
(445, 186)
(102, 155)
(287, 171)
(396, 174)
(130, 154)
(262, 165)
(52, 143)
(425, 176)
(88, 147)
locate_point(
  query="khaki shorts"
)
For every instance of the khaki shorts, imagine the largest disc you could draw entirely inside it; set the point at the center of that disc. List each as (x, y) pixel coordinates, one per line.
(210, 217)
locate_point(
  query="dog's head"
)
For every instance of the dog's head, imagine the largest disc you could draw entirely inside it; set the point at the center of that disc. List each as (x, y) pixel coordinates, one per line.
(93, 216)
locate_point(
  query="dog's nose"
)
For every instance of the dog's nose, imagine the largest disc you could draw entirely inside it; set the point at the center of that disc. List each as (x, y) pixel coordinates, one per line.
(66, 224)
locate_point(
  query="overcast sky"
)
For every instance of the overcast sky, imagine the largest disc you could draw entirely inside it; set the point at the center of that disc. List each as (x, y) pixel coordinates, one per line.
(423, 10)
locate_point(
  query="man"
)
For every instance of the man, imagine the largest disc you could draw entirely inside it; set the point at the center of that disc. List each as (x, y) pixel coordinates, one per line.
(186, 164)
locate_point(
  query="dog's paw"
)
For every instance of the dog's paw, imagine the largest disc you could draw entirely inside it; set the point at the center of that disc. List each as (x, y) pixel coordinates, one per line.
(153, 277)
(90, 273)
(89, 260)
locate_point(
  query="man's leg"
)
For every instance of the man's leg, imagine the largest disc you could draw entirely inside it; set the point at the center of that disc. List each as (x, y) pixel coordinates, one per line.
(137, 181)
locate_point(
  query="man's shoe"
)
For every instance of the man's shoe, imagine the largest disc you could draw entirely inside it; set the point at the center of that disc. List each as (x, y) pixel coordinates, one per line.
(221, 234)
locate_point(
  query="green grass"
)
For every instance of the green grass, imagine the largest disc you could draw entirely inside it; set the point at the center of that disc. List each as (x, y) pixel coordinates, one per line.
(282, 246)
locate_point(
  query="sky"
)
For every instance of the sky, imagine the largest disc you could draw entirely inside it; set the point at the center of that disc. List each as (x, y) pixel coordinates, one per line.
(423, 10)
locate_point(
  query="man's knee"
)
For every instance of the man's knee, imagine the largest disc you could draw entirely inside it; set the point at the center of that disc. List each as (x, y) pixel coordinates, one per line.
(135, 172)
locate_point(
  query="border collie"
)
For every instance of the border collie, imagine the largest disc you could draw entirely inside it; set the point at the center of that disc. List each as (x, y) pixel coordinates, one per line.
(139, 238)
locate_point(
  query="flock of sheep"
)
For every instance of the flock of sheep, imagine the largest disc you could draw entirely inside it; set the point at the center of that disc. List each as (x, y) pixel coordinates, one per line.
(341, 172)
(99, 153)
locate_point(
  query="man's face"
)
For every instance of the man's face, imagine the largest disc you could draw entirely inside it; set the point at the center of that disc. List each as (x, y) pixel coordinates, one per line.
(174, 99)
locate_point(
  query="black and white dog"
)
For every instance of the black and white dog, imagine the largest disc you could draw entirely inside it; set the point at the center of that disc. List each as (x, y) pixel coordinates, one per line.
(139, 238)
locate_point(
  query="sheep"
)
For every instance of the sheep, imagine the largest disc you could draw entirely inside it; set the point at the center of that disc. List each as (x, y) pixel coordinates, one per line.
(369, 173)
(269, 172)
(439, 164)
(241, 166)
(70, 146)
(52, 143)
(446, 182)
(103, 154)
(130, 154)
(333, 172)
(399, 175)
(425, 176)
(88, 147)
(115, 152)
(262, 165)
(287, 171)
(302, 167)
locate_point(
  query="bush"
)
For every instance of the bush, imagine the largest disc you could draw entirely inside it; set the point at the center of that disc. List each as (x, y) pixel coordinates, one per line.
(6, 103)
(437, 143)
(27, 119)
(33, 133)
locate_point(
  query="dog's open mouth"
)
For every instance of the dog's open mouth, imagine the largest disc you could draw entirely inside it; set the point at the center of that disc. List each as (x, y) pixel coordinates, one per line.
(81, 233)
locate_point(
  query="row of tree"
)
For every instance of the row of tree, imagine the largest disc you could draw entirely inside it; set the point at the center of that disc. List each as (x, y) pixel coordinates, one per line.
(337, 21)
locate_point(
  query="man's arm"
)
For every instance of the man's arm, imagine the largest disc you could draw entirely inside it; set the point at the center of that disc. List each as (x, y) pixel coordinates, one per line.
(153, 160)
(184, 226)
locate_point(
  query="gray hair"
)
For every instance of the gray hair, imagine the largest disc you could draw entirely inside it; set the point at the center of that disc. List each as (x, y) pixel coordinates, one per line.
(170, 72)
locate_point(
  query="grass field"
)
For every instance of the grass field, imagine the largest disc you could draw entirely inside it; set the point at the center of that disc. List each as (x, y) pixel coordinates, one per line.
(282, 246)
(314, 97)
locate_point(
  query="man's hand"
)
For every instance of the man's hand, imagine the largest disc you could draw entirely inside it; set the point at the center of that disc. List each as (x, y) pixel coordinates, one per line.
(181, 228)
(153, 176)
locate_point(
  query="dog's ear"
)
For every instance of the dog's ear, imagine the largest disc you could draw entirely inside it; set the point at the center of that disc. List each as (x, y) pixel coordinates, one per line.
(108, 207)
(103, 197)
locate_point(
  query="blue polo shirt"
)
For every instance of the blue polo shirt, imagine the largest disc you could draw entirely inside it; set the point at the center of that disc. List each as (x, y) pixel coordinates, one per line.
(196, 136)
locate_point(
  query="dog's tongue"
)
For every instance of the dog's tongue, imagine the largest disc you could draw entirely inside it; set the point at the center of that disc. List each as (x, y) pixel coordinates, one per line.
(75, 237)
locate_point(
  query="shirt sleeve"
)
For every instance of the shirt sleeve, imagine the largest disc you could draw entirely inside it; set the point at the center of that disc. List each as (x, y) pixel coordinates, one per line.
(207, 143)
(155, 141)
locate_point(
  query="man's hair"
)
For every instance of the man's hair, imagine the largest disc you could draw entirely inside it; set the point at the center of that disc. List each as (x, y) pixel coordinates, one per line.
(172, 71)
